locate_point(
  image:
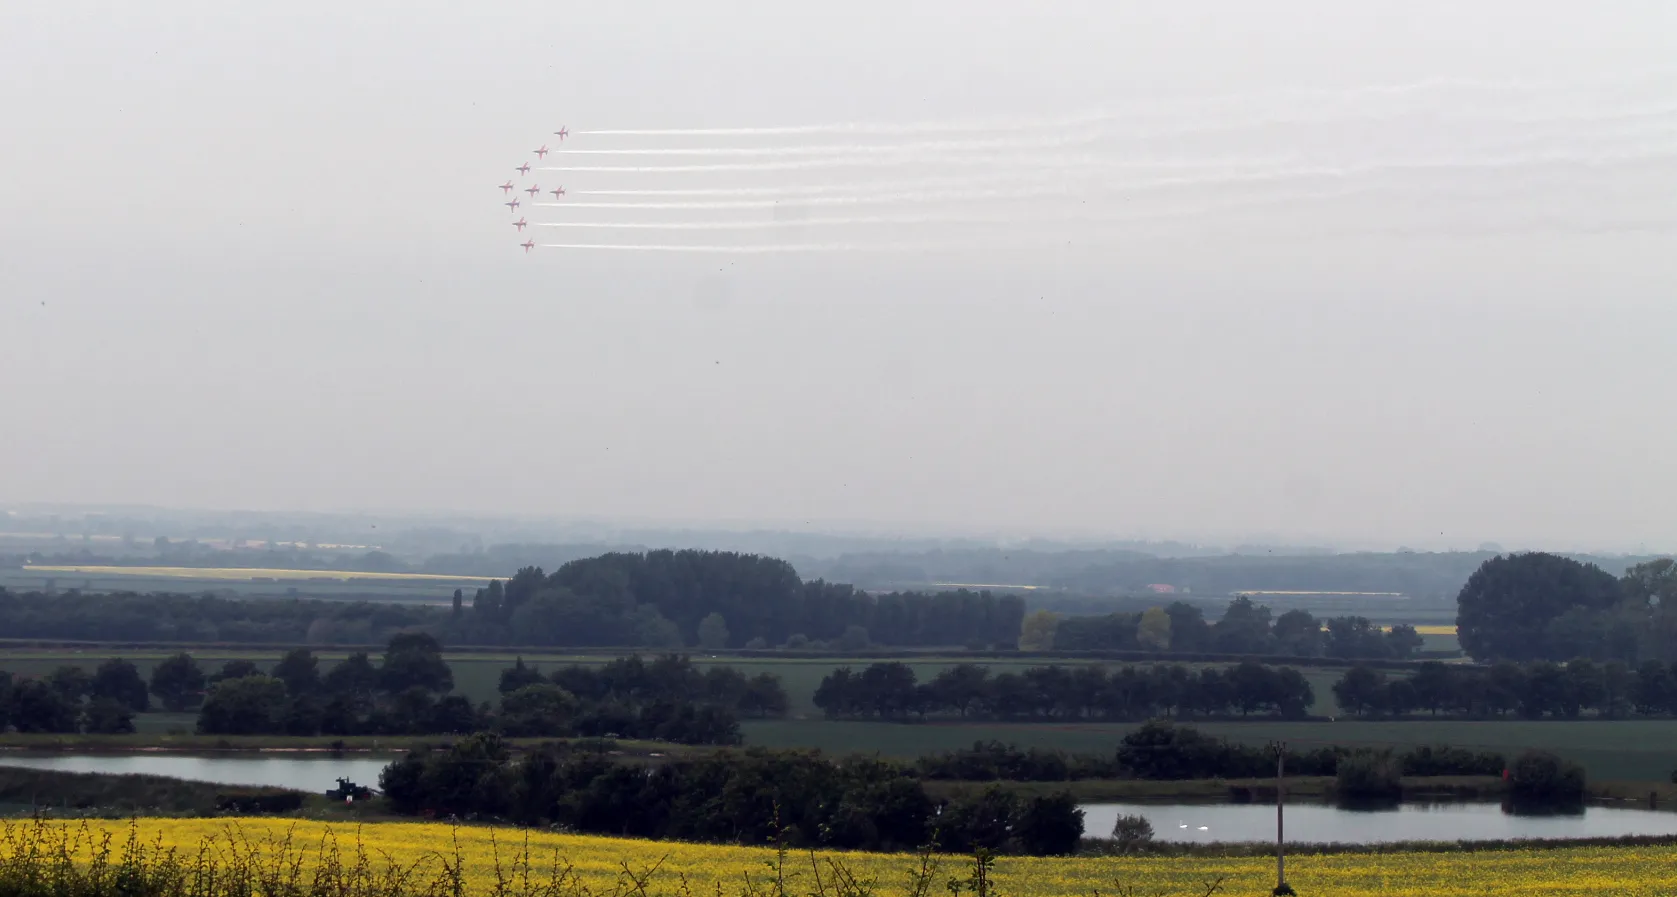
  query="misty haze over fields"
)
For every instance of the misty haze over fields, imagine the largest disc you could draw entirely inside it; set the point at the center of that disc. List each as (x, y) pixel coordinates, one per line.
(1301, 274)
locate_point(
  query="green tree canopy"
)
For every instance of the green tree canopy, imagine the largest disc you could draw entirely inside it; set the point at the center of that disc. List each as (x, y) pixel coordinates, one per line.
(178, 683)
(1508, 608)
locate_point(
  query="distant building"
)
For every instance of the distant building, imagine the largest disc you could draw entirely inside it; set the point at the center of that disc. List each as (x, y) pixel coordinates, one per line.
(1162, 589)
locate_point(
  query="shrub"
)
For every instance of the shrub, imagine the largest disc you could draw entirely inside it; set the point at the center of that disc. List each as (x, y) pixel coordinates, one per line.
(1542, 776)
(1369, 774)
(1130, 832)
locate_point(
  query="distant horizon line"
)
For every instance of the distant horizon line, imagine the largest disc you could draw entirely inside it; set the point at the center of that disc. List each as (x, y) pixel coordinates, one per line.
(867, 529)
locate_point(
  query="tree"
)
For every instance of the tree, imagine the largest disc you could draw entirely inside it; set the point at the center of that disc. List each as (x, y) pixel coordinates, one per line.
(1153, 632)
(1543, 777)
(1188, 630)
(459, 604)
(1298, 633)
(236, 669)
(854, 638)
(178, 683)
(1402, 641)
(541, 709)
(249, 705)
(1506, 608)
(118, 680)
(72, 682)
(38, 707)
(1361, 690)
(300, 671)
(1244, 628)
(518, 675)
(353, 678)
(713, 632)
(1036, 633)
(415, 659)
(108, 716)
(1050, 826)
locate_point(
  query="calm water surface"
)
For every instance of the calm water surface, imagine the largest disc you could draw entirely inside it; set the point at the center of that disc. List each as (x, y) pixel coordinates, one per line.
(304, 773)
(1406, 822)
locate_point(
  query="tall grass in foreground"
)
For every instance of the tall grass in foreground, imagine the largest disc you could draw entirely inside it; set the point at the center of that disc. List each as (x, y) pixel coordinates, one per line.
(39, 858)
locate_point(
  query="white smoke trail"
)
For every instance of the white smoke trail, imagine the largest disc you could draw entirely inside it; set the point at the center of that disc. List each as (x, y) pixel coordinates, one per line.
(1062, 188)
(784, 223)
(1314, 96)
(1092, 134)
(748, 250)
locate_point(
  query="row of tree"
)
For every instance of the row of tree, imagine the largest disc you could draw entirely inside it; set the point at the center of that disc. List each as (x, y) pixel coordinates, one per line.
(891, 691)
(409, 692)
(735, 797)
(1165, 750)
(1580, 688)
(1537, 606)
(1246, 628)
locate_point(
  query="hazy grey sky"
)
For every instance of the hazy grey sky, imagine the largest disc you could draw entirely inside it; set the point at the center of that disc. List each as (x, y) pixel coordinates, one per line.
(251, 258)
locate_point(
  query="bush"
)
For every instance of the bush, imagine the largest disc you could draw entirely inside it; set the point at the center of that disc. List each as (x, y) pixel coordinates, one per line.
(1449, 761)
(260, 802)
(1542, 776)
(1369, 774)
(1130, 832)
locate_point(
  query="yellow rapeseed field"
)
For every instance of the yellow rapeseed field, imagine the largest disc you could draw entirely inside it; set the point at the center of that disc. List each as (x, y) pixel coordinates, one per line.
(715, 871)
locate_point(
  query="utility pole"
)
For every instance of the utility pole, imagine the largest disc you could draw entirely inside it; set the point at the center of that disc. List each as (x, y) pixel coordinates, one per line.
(1281, 886)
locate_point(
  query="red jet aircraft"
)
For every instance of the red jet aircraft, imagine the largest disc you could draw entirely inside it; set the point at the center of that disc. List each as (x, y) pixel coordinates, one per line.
(523, 169)
(520, 224)
(506, 188)
(532, 189)
(528, 245)
(563, 132)
(511, 205)
(541, 153)
(557, 192)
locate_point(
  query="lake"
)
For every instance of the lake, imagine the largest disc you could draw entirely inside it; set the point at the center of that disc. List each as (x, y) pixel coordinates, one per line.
(1308, 823)
(316, 772)
(1171, 822)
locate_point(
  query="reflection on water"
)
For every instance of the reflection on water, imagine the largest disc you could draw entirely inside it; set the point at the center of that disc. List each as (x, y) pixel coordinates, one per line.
(304, 773)
(1366, 824)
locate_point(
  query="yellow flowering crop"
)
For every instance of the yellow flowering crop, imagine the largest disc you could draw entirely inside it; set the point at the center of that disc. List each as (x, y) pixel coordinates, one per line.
(598, 864)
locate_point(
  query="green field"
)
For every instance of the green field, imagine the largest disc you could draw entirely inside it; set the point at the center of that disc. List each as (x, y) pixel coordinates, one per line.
(1644, 750)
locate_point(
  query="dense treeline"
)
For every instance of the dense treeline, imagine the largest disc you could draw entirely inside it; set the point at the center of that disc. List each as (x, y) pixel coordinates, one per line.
(133, 617)
(660, 599)
(724, 600)
(408, 692)
(667, 699)
(1538, 606)
(1579, 689)
(891, 691)
(1164, 750)
(1245, 628)
(735, 797)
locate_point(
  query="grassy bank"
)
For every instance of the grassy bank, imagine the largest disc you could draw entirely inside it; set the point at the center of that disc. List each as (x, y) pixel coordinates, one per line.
(30, 791)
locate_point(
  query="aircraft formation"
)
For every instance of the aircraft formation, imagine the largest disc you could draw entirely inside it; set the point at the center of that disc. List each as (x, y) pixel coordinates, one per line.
(534, 190)
(1427, 159)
